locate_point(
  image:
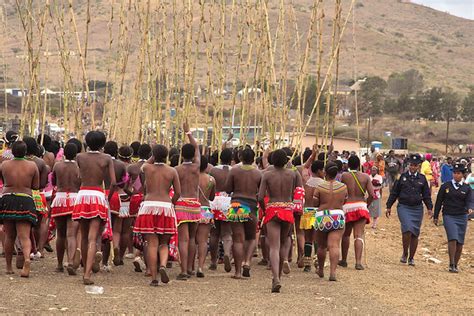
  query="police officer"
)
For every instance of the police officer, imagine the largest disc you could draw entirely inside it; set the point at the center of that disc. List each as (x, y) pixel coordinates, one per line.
(411, 189)
(454, 198)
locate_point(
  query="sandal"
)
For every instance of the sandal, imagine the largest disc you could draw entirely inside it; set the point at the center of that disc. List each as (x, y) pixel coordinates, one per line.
(332, 278)
(276, 286)
(136, 264)
(182, 277)
(246, 271)
(70, 269)
(154, 283)
(359, 266)
(199, 274)
(286, 267)
(164, 275)
(87, 281)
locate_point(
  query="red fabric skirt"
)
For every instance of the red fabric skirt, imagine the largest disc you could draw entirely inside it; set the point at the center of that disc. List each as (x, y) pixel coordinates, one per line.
(63, 204)
(354, 211)
(90, 203)
(155, 217)
(281, 210)
(135, 202)
(114, 203)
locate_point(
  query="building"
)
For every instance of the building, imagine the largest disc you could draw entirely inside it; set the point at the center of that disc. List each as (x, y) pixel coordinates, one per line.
(339, 143)
(17, 92)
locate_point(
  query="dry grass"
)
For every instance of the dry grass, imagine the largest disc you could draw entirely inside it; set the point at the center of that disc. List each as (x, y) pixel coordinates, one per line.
(391, 36)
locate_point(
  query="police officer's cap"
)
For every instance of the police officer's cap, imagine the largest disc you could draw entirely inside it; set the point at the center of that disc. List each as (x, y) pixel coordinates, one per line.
(414, 159)
(459, 167)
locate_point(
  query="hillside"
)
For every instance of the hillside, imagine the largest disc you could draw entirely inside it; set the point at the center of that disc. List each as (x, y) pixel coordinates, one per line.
(391, 35)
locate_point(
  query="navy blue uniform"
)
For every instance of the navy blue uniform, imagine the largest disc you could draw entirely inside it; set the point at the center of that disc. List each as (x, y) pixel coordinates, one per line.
(411, 190)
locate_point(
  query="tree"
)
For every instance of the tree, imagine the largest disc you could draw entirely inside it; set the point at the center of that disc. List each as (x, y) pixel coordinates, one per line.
(406, 83)
(467, 111)
(310, 98)
(372, 96)
(438, 105)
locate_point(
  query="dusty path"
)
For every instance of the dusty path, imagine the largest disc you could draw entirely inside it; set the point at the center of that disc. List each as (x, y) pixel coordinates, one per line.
(385, 286)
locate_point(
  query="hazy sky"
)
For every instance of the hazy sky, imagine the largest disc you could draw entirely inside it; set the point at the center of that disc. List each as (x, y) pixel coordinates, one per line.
(462, 8)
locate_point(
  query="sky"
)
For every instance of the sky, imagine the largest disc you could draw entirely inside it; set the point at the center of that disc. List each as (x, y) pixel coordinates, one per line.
(462, 8)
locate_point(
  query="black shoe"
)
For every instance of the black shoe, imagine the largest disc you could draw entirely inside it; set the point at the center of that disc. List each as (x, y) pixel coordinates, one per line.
(200, 274)
(342, 263)
(48, 248)
(403, 259)
(307, 269)
(411, 262)
(276, 286)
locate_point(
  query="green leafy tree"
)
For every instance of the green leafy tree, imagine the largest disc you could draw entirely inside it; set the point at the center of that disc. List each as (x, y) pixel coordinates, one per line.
(438, 105)
(407, 83)
(467, 110)
(372, 96)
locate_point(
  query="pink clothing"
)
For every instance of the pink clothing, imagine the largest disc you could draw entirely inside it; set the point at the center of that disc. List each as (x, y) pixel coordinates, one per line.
(435, 172)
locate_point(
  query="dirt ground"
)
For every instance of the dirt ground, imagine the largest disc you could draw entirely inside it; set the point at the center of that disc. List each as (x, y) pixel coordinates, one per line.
(386, 286)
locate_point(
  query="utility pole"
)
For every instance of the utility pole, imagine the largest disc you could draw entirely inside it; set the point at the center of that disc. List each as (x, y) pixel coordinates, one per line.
(447, 130)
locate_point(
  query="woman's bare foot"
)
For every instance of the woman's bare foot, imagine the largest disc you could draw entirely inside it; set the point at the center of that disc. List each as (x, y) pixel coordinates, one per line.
(320, 273)
(76, 262)
(25, 272)
(286, 267)
(97, 260)
(227, 264)
(20, 261)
